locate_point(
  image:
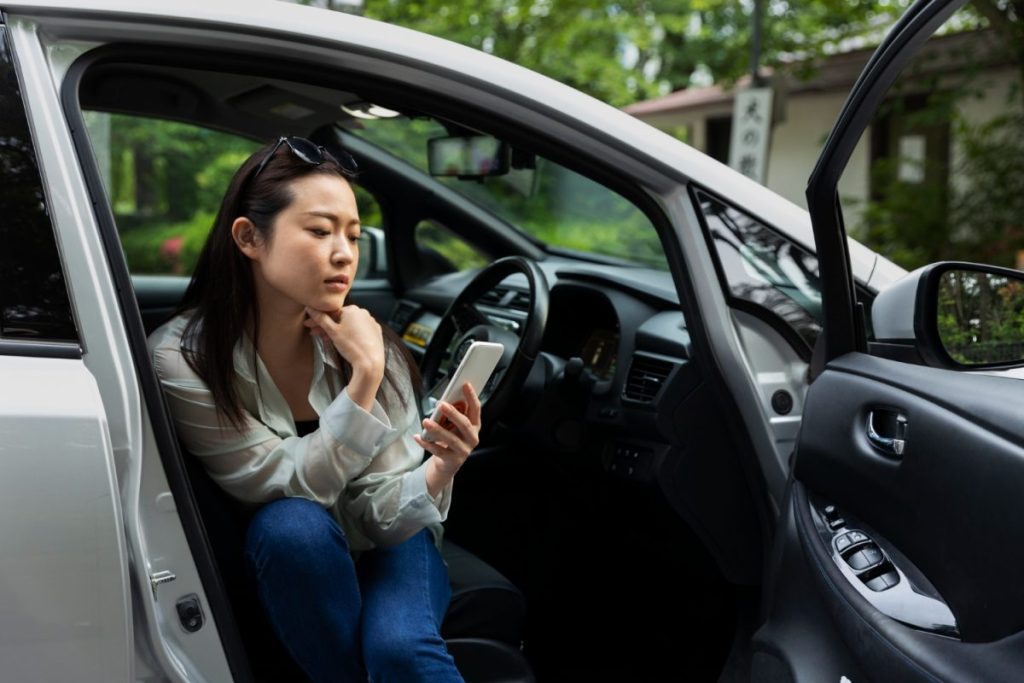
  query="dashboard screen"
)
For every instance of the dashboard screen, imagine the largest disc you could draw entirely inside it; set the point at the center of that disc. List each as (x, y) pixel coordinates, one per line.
(599, 353)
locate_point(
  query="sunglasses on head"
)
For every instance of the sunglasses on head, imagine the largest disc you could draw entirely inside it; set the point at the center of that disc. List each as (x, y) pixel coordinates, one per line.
(311, 153)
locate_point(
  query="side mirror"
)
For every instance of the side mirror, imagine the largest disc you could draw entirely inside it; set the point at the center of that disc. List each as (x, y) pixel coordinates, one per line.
(372, 258)
(955, 315)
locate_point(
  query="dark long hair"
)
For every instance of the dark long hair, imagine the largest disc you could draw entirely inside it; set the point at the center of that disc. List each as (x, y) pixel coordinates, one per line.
(222, 293)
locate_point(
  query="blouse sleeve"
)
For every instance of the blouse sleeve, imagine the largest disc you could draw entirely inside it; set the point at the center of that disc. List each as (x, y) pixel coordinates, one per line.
(389, 500)
(257, 465)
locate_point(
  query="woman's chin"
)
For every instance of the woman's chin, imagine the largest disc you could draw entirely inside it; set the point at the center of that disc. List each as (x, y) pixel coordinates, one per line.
(328, 303)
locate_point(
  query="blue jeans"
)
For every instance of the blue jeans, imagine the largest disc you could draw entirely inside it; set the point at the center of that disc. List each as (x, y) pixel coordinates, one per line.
(340, 619)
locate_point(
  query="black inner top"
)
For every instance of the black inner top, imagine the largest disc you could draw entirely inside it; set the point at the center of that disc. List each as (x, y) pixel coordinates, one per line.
(303, 427)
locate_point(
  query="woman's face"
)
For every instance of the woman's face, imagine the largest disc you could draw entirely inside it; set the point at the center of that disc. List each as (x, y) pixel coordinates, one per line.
(313, 252)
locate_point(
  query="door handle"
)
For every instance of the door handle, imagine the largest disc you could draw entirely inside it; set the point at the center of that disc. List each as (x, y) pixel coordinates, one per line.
(895, 421)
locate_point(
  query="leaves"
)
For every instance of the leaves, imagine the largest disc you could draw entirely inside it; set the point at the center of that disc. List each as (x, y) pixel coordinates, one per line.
(631, 50)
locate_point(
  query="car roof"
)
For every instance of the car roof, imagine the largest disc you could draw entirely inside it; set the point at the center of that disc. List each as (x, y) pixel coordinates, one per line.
(348, 30)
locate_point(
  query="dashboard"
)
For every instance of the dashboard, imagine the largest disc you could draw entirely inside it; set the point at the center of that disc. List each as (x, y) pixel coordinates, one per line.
(615, 392)
(615, 350)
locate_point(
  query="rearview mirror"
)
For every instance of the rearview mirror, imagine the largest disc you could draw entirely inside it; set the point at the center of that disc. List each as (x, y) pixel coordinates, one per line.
(963, 315)
(467, 157)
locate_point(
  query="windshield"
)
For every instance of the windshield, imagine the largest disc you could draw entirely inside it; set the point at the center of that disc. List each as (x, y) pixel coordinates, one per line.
(553, 204)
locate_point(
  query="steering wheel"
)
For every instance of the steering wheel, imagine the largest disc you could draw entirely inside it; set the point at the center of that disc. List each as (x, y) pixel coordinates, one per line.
(463, 323)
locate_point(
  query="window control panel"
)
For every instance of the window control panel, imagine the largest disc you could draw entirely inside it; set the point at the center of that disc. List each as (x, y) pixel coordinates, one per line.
(866, 559)
(877, 570)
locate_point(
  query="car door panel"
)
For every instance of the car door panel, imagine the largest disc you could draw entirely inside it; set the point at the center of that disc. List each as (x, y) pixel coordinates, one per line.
(926, 502)
(65, 603)
(942, 512)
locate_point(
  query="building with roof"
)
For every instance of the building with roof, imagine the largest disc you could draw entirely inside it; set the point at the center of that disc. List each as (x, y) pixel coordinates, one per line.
(806, 109)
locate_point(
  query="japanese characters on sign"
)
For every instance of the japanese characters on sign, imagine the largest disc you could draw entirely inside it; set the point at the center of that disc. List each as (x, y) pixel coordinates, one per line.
(751, 128)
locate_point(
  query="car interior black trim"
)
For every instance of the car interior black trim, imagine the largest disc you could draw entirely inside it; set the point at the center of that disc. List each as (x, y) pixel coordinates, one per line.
(961, 471)
(40, 349)
(167, 444)
(774, 321)
(905, 351)
(851, 605)
(883, 644)
(974, 397)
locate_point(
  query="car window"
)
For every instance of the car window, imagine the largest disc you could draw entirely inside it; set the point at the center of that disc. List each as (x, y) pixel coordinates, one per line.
(34, 302)
(935, 176)
(444, 245)
(759, 266)
(546, 200)
(165, 180)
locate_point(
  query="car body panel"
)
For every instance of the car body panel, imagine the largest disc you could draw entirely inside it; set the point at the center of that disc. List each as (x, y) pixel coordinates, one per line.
(141, 484)
(65, 610)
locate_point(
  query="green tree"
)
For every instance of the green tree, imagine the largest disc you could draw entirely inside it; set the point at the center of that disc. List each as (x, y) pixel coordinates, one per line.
(625, 51)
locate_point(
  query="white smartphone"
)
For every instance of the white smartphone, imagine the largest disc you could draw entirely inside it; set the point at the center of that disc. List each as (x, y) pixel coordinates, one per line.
(476, 368)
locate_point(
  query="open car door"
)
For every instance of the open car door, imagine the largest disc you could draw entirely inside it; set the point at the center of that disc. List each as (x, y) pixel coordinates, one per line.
(899, 550)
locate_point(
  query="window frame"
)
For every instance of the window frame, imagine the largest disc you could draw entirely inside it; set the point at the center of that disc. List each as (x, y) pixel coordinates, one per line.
(70, 346)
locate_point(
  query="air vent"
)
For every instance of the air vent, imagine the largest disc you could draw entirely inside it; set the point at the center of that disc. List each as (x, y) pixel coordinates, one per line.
(520, 302)
(402, 315)
(645, 378)
(493, 297)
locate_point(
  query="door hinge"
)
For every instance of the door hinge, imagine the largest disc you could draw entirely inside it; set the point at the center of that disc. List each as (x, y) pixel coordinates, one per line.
(160, 577)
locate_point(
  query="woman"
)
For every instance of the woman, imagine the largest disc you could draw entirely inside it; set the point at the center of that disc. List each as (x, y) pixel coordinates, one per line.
(293, 399)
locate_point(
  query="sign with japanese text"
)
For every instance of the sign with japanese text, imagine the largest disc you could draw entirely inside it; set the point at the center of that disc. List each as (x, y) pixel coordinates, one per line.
(751, 127)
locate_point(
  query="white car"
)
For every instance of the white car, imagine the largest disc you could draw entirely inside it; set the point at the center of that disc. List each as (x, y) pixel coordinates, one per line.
(699, 462)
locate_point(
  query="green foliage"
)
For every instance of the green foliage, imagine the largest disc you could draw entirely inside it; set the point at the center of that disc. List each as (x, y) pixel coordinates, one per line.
(166, 247)
(459, 254)
(164, 170)
(977, 217)
(969, 208)
(981, 318)
(166, 183)
(636, 49)
(553, 203)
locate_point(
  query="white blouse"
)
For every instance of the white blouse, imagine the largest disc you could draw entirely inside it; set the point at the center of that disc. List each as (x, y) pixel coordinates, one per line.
(363, 466)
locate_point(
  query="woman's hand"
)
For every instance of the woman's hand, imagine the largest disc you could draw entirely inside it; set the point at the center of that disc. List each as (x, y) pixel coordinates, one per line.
(453, 439)
(359, 339)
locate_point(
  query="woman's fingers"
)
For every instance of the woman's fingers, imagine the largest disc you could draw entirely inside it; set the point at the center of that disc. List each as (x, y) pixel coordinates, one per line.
(472, 403)
(321, 318)
(442, 450)
(454, 445)
(440, 434)
(467, 430)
